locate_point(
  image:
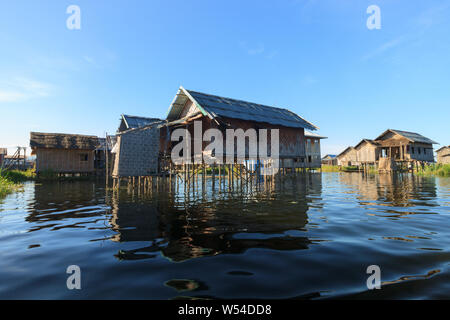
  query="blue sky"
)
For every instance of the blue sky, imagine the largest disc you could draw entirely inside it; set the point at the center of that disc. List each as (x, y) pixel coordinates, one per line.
(316, 58)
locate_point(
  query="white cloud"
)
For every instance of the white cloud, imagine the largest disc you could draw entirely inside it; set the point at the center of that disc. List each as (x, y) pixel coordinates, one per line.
(21, 89)
(309, 80)
(384, 47)
(252, 50)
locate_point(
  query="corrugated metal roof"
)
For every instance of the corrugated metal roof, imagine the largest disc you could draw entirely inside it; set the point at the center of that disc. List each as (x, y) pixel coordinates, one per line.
(216, 106)
(415, 137)
(313, 135)
(102, 142)
(137, 122)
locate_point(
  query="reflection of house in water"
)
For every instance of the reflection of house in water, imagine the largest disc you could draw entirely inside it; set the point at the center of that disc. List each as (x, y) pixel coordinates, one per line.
(53, 209)
(230, 224)
(391, 189)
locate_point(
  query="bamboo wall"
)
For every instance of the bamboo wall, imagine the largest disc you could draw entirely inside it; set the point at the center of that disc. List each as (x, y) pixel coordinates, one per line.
(367, 153)
(64, 160)
(443, 156)
(350, 158)
(138, 152)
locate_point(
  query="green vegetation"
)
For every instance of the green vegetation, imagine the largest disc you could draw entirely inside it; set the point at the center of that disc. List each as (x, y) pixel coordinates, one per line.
(442, 170)
(17, 176)
(11, 181)
(328, 168)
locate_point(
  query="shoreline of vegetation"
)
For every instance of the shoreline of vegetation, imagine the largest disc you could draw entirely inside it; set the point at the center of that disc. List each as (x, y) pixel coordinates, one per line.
(440, 170)
(12, 180)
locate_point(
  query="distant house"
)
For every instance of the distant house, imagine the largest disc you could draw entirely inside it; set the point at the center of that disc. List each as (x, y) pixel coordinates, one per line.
(132, 122)
(443, 155)
(312, 150)
(405, 146)
(329, 160)
(367, 152)
(3, 153)
(63, 153)
(348, 157)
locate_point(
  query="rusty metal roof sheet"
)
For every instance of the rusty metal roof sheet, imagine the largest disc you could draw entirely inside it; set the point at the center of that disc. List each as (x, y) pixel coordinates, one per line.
(215, 106)
(138, 122)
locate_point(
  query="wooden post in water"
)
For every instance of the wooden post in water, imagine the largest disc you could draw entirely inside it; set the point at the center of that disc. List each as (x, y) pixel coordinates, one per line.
(213, 176)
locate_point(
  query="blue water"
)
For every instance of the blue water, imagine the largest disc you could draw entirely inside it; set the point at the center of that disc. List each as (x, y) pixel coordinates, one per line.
(308, 237)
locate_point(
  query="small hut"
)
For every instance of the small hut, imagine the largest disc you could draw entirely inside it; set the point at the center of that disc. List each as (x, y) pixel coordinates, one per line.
(312, 150)
(63, 153)
(367, 152)
(348, 157)
(443, 155)
(329, 160)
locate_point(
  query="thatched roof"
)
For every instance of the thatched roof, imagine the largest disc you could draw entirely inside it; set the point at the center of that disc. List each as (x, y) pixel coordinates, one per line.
(62, 141)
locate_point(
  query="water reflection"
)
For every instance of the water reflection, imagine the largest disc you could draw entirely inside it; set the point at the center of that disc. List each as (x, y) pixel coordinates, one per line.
(304, 237)
(55, 204)
(393, 191)
(183, 226)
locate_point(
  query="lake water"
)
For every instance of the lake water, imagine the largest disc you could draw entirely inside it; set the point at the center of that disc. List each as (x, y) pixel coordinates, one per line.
(311, 237)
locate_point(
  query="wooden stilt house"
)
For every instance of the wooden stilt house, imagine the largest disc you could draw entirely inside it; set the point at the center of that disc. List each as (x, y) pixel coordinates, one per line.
(64, 153)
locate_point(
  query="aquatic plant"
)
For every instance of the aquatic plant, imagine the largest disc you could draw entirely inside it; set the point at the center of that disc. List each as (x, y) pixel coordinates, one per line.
(329, 168)
(442, 170)
(9, 183)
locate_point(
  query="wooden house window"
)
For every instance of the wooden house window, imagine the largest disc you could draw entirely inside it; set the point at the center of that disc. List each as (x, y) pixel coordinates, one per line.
(419, 150)
(84, 157)
(412, 150)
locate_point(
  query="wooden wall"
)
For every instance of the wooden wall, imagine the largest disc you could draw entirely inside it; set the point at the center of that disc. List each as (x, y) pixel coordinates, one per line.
(367, 153)
(312, 153)
(350, 158)
(419, 153)
(64, 160)
(292, 140)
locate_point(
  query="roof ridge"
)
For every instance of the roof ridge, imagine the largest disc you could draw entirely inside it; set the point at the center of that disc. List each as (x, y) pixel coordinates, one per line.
(64, 134)
(233, 99)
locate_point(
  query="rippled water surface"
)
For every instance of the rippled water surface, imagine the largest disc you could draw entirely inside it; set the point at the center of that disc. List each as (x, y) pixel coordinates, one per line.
(311, 236)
